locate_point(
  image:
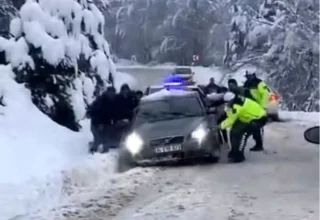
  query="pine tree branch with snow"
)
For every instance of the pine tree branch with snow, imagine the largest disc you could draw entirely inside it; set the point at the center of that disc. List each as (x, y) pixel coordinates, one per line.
(59, 52)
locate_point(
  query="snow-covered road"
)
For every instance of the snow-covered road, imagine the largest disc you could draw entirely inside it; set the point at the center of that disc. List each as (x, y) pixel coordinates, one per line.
(282, 183)
(279, 184)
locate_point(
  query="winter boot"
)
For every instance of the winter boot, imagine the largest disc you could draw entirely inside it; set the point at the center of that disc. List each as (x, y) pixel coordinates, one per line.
(236, 157)
(256, 148)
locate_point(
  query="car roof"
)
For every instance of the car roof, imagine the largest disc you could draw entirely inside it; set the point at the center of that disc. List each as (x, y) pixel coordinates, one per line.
(161, 86)
(166, 94)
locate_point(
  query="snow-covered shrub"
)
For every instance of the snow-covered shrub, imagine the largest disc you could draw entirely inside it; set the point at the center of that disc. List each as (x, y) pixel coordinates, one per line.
(59, 52)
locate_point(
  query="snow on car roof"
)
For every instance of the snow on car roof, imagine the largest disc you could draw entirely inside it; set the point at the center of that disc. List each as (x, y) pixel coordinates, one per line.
(161, 86)
(164, 93)
(156, 86)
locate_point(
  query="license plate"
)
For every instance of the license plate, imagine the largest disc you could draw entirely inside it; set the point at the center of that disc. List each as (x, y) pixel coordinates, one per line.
(169, 148)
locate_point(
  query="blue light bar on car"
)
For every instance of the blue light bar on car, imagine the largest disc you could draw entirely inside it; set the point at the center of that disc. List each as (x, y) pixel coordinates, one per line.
(173, 82)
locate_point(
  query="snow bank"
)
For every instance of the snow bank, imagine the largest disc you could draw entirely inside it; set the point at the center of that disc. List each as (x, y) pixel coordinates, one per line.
(310, 118)
(107, 197)
(40, 161)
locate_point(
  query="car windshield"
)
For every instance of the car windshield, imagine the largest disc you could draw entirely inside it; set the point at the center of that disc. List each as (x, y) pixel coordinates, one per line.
(183, 71)
(153, 90)
(157, 89)
(169, 109)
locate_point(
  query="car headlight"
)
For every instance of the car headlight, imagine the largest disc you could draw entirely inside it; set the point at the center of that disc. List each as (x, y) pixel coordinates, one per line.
(200, 133)
(134, 143)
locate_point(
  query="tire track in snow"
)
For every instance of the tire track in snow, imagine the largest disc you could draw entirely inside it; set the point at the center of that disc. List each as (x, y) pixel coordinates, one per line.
(102, 202)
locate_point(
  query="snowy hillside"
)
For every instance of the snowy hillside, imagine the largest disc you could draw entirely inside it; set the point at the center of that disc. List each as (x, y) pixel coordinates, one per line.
(34, 152)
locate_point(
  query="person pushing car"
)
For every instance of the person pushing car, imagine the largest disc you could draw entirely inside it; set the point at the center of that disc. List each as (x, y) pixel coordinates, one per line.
(260, 92)
(245, 117)
(258, 89)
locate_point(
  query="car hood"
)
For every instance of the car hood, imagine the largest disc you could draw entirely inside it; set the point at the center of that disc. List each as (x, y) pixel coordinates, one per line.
(173, 127)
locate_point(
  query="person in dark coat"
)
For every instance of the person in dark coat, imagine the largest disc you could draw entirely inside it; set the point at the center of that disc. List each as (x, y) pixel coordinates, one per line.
(139, 94)
(127, 101)
(102, 114)
(236, 89)
(212, 87)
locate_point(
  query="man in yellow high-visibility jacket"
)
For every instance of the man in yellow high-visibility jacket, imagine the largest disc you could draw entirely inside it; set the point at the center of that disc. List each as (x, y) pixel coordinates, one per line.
(258, 89)
(260, 92)
(245, 117)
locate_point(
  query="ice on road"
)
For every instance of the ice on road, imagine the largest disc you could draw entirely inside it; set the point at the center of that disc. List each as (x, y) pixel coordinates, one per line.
(279, 184)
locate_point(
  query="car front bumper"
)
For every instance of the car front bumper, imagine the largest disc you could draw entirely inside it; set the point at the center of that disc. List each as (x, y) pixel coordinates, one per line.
(191, 149)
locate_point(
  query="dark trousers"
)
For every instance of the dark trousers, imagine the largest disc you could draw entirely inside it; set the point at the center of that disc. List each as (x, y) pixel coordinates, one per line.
(257, 131)
(98, 131)
(257, 136)
(239, 135)
(103, 134)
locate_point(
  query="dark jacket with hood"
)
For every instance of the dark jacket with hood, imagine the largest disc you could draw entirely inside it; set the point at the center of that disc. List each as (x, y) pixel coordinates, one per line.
(212, 88)
(125, 105)
(102, 110)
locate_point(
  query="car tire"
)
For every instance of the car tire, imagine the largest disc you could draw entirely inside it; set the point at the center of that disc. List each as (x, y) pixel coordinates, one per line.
(274, 117)
(214, 156)
(125, 161)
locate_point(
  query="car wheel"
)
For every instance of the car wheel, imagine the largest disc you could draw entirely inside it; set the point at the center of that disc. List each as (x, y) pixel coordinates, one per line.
(125, 161)
(274, 117)
(214, 156)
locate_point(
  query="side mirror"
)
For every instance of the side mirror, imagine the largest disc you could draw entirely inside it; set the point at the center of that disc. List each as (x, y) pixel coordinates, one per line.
(312, 135)
(212, 111)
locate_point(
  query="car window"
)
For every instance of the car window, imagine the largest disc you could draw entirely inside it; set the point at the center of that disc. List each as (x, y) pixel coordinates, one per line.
(168, 109)
(153, 90)
(183, 71)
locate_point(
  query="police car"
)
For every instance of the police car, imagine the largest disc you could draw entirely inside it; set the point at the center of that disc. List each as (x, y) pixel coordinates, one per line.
(169, 125)
(156, 88)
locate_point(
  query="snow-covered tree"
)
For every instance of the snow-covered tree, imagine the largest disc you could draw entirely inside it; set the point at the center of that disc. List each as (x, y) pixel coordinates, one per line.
(189, 32)
(236, 44)
(162, 30)
(136, 23)
(7, 12)
(283, 40)
(59, 52)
